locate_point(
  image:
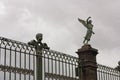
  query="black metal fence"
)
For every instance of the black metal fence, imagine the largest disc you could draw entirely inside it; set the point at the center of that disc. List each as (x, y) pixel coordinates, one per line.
(59, 66)
(18, 62)
(62, 67)
(107, 73)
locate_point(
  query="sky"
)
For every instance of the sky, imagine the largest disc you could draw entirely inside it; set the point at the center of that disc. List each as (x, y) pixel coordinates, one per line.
(21, 20)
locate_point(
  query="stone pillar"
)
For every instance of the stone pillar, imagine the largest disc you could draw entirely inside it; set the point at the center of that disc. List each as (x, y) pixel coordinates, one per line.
(89, 68)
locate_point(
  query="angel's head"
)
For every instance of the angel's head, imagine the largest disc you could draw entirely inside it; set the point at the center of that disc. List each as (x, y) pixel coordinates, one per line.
(89, 22)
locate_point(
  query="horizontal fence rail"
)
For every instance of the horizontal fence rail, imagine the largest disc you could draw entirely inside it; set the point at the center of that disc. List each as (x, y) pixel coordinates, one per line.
(107, 73)
(16, 60)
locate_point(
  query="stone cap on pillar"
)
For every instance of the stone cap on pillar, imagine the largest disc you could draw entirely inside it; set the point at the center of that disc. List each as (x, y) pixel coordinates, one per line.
(88, 55)
(87, 48)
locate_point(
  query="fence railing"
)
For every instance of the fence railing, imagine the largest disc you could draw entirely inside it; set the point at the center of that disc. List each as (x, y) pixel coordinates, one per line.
(18, 62)
(107, 73)
(59, 66)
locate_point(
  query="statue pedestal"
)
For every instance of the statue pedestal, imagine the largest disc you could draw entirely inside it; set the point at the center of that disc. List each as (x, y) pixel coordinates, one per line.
(89, 67)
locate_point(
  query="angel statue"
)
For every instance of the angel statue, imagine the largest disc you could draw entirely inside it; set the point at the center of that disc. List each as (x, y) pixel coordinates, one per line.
(88, 24)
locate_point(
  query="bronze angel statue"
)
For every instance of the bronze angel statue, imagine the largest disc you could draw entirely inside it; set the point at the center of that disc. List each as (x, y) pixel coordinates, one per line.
(88, 24)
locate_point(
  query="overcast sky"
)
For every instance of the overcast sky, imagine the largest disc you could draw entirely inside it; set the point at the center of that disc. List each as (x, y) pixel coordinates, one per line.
(57, 20)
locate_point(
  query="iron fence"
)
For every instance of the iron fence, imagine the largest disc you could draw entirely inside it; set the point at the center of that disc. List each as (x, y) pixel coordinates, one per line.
(59, 66)
(18, 62)
(107, 73)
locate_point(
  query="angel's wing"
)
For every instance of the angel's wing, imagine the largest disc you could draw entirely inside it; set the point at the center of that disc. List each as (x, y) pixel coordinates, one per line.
(83, 22)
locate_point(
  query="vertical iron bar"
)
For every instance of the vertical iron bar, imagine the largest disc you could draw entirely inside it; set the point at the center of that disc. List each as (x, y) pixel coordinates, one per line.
(59, 65)
(48, 66)
(77, 66)
(110, 75)
(25, 63)
(5, 63)
(39, 65)
(29, 62)
(103, 74)
(69, 68)
(97, 75)
(72, 68)
(100, 74)
(119, 75)
(10, 62)
(55, 66)
(44, 65)
(20, 64)
(62, 69)
(107, 76)
(34, 55)
(66, 67)
(115, 75)
(52, 65)
(15, 64)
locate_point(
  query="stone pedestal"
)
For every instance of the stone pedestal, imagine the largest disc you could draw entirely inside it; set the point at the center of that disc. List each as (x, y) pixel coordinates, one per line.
(89, 68)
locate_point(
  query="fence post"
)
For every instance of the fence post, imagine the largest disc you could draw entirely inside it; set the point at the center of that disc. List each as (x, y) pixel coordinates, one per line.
(38, 64)
(39, 46)
(89, 68)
